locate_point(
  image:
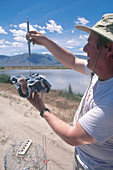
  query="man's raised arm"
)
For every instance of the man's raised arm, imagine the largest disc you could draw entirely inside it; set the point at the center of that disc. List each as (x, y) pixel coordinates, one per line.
(61, 54)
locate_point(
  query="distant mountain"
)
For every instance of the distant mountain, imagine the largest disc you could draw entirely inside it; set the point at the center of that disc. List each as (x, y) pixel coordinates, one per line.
(36, 60)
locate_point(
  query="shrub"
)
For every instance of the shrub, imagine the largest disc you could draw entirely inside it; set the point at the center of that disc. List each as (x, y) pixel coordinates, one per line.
(69, 94)
(1, 67)
(4, 78)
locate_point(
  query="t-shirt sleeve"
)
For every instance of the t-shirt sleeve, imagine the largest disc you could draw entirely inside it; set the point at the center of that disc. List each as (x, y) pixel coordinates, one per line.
(98, 122)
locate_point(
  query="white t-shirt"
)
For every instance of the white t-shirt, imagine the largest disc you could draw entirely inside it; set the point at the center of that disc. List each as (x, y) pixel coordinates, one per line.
(97, 120)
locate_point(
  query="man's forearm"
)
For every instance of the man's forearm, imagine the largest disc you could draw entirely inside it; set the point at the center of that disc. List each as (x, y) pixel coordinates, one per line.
(61, 128)
(61, 54)
(72, 135)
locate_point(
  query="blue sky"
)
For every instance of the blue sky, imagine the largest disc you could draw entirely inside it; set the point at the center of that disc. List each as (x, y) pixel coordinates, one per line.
(54, 18)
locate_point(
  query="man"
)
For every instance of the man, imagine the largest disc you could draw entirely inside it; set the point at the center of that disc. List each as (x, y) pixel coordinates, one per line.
(92, 133)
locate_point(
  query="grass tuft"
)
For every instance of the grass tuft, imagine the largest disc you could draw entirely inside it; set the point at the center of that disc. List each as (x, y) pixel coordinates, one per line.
(4, 78)
(70, 95)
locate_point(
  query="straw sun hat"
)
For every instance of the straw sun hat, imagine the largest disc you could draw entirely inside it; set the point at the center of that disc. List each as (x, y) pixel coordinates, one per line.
(103, 27)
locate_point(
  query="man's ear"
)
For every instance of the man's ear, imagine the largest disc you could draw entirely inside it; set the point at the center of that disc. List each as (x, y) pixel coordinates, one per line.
(110, 50)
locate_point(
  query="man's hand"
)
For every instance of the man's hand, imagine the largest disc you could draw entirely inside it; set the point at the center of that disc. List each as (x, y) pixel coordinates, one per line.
(36, 101)
(36, 37)
(64, 56)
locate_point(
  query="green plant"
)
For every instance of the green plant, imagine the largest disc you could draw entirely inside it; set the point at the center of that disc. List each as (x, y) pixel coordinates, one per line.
(69, 94)
(1, 68)
(4, 78)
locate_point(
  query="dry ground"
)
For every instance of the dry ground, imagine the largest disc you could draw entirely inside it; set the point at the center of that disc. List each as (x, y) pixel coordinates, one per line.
(20, 121)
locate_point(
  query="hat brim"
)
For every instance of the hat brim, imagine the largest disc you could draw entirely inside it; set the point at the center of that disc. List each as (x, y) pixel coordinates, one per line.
(83, 28)
(96, 30)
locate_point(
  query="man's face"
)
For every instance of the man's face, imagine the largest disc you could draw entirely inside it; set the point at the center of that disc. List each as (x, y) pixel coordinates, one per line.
(91, 49)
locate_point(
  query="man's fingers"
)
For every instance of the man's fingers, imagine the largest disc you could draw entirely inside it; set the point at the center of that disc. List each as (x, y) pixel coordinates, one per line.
(33, 32)
(31, 40)
(36, 95)
(29, 98)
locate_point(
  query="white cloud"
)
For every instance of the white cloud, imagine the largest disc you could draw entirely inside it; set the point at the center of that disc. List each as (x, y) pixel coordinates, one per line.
(24, 27)
(2, 41)
(2, 31)
(42, 31)
(70, 47)
(3, 46)
(83, 37)
(81, 49)
(16, 53)
(81, 20)
(31, 28)
(7, 42)
(38, 26)
(21, 39)
(18, 33)
(14, 44)
(17, 44)
(11, 25)
(72, 44)
(52, 26)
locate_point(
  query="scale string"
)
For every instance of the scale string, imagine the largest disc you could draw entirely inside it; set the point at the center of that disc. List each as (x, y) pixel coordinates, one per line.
(29, 48)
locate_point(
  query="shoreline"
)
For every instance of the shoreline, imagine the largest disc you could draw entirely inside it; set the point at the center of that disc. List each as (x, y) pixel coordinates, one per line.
(32, 67)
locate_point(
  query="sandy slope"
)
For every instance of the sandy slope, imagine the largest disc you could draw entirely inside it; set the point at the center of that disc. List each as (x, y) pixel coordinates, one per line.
(20, 121)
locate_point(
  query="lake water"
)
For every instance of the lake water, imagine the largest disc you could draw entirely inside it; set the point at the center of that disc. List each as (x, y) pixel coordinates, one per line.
(59, 79)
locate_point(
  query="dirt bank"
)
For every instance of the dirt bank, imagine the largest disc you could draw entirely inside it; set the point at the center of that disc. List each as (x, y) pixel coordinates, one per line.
(20, 121)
